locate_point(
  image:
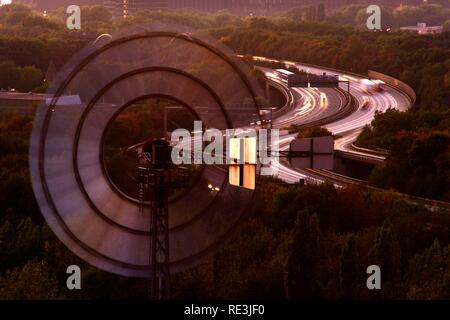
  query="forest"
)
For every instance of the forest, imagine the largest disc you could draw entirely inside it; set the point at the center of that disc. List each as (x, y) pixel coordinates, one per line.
(294, 245)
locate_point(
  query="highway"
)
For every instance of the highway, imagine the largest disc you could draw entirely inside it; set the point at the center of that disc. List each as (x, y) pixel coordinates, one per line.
(345, 129)
(24, 96)
(305, 104)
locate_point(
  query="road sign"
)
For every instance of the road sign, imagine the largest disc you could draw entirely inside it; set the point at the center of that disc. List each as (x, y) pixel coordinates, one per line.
(313, 153)
(312, 80)
(71, 100)
(242, 169)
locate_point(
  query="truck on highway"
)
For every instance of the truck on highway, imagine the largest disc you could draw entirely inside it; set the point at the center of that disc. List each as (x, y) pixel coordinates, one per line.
(371, 86)
(367, 86)
(283, 74)
(378, 85)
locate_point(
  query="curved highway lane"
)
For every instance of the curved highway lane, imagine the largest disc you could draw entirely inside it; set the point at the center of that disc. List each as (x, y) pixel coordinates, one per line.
(346, 129)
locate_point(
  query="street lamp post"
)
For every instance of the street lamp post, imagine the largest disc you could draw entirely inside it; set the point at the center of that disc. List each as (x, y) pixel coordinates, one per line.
(271, 117)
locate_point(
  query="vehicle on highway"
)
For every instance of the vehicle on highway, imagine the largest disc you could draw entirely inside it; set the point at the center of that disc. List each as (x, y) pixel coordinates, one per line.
(378, 85)
(371, 86)
(283, 74)
(366, 103)
(368, 86)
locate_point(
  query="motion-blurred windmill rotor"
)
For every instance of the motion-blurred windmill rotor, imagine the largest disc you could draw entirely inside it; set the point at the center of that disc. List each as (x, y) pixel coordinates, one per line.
(87, 212)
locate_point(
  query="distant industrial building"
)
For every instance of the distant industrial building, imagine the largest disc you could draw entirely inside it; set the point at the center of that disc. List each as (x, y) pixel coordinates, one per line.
(422, 28)
(124, 8)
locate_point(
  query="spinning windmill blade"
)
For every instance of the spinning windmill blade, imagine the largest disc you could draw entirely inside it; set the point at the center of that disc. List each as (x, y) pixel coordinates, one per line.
(82, 206)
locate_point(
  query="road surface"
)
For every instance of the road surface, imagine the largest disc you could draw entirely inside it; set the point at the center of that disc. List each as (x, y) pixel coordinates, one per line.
(346, 129)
